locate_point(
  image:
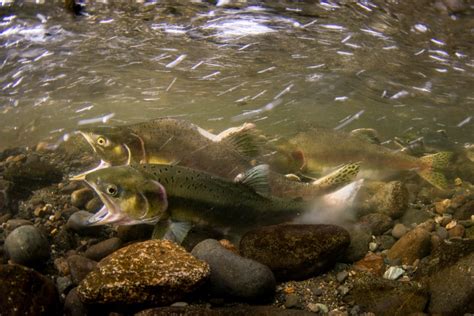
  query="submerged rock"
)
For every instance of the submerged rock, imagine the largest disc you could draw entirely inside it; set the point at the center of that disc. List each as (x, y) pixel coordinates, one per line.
(378, 223)
(223, 311)
(27, 245)
(452, 288)
(80, 267)
(295, 251)
(103, 248)
(360, 236)
(388, 297)
(32, 172)
(24, 291)
(154, 271)
(415, 244)
(391, 199)
(233, 275)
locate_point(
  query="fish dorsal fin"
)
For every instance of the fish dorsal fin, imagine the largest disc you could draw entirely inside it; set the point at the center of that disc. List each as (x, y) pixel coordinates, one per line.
(256, 178)
(245, 141)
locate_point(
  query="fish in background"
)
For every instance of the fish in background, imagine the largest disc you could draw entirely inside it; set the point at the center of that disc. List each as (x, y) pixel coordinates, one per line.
(320, 148)
(175, 198)
(228, 154)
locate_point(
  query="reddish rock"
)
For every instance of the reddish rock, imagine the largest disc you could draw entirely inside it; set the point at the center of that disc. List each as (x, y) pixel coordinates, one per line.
(415, 244)
(372, 263)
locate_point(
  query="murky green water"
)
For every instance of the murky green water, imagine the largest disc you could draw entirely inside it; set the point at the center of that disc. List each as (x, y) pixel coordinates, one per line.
(396, 67)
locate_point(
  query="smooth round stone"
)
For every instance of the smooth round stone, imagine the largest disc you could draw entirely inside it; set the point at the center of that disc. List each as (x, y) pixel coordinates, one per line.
(233, 275)
(415, 244)
(28, 246)
(103, 249)
(378, 223)
(361, 236)
(295, 251)
(399, 230)
(391, 199)
(80, 267)
(78, 223)
(442, 232)
(94, 204)
(79, 198)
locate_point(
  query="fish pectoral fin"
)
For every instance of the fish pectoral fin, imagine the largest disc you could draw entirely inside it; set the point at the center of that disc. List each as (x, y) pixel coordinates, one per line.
(180, 230)
(174, 231)
(245, 140)
(256, 178)
(435, 178)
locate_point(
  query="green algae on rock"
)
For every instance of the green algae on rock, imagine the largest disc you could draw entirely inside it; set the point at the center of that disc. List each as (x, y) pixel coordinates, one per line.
(295, 251)
(154, 271)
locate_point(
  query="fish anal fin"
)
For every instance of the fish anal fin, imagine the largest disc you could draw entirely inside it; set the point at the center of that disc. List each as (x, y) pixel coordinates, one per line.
(256, 178)
(338, 178)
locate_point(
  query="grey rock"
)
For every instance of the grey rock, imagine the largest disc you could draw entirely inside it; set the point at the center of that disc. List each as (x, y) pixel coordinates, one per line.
(80, 267)
(73, 306)
(378, 223)
(79, 198)
(323, 308)
(24, 291)
(442, 232)
(292, 300)
(63, 284)
(361, 236)
(14, 223)
(33, 173)
(415, 216)
(295, 251)
(385, 242)
(343, 290)
(233, 275)
(104, 248)
(393, 273)
(153, 271)
(27, 245)
(399, 230)
(77, 223)
(342, 276)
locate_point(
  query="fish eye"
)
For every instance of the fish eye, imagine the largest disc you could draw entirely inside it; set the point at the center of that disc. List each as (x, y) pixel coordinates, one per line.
(111, 190)
(101, 141)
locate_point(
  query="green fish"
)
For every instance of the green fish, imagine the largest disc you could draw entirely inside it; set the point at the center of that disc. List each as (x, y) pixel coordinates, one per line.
(177, 197)
(172, 141)
(227, 154)
(322, 148)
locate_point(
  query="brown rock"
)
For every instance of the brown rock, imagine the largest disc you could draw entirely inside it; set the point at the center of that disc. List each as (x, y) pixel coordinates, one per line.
(456, 231)
(103, 249)
(79, 198)
(415, 244)
(80, 267)
(153, 271)
(391, 199)
(24, 291)
(372, 263)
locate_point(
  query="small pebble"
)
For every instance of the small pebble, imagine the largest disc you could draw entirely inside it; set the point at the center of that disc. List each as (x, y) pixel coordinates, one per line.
(342, 276)
(373, 246)
(179, 304)
(80, 197)
(451, 224)
(322, 308)
(77, 221)
(317, 291)
(343, 290)
(442, 232)
(399, 230)
(103, 248)
(393, 273)
(312, 307)
(94, 205)
(291, 300)
(456, 232)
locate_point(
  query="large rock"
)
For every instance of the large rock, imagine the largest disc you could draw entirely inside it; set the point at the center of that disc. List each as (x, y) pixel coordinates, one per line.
(388, 297)
(27, 245)
(32, 173)
(154, 271)
(415, 244)
(452, 288)
(233, 275)
(223, 311)
(24, 291)
(378, 223)
(295, 251)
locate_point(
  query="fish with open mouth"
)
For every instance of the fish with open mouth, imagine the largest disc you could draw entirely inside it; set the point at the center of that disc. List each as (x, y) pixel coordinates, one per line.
(179, 142)
(175, 198)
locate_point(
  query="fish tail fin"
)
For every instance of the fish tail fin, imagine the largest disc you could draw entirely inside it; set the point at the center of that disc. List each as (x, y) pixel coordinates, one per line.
(431, 166)
(244, 138)
(338, 178)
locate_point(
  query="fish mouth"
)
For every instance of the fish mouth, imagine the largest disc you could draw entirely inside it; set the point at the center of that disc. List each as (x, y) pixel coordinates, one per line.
(82, 176)
(108, 214)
